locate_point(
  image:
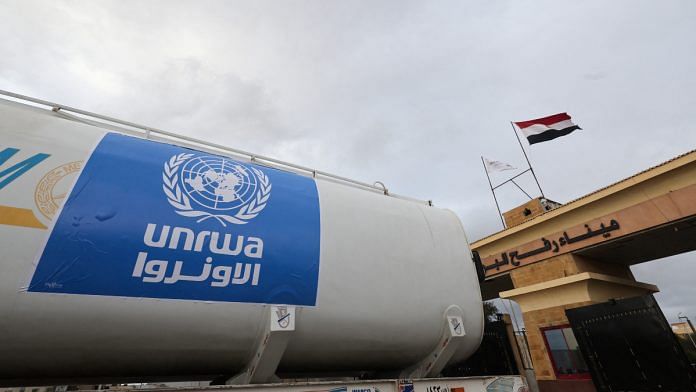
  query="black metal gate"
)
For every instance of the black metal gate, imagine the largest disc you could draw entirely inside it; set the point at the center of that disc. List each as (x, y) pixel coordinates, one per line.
(629, 346)
(493, 357)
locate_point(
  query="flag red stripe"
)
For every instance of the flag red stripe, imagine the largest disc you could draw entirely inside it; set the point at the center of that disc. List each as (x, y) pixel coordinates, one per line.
(544, 120)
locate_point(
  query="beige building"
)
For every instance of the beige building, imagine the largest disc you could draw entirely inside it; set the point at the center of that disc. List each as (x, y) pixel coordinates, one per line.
(681, 328)
(554, 257)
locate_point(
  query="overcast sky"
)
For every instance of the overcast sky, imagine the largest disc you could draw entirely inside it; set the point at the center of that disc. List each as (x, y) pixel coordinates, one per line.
(408, 93)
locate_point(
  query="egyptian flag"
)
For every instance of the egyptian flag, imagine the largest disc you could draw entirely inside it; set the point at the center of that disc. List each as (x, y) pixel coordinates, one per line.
(547, 128)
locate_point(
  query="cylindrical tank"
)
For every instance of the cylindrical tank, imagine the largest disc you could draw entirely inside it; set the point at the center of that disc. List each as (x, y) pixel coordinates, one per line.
(124, 257)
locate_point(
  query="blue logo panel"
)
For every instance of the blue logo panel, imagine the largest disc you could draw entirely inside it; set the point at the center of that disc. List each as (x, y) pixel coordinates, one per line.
(148, 219)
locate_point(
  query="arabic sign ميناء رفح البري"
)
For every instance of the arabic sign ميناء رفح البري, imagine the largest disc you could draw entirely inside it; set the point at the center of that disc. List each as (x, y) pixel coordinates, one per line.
(554, 246)
(148, 219)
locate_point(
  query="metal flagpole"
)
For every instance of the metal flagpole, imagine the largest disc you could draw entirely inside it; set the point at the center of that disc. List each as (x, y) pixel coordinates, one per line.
(485, 169)
(527, 158)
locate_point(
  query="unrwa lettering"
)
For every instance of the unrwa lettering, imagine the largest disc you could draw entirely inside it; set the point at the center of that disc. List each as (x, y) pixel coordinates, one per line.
(251, 246)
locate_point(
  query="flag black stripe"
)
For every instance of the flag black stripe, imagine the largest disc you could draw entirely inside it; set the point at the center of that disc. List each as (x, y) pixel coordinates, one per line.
(550, 134)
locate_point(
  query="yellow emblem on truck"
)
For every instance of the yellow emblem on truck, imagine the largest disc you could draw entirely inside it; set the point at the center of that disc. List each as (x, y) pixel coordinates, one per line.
(53, 188)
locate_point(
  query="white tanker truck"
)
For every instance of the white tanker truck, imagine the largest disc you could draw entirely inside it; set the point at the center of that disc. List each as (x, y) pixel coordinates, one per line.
(130, 253)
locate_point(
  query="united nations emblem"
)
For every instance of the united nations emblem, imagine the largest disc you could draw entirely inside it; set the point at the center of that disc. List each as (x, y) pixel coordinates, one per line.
(215, 187)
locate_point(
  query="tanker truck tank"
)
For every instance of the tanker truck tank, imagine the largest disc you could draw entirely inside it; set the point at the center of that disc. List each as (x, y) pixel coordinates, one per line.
(130, 253)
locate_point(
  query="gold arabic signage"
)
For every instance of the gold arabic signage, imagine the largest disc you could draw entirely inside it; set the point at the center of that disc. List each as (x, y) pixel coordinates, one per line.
(660, 210)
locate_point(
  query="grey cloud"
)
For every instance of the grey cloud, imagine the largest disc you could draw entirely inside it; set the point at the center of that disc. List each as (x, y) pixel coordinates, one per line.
(221, 107)
(595, 75)
(673, 276)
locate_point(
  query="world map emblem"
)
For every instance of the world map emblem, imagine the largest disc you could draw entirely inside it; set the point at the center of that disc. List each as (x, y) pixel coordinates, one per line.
(206, 186)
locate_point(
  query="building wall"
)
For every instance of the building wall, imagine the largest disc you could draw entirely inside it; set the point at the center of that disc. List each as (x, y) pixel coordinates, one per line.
(539, 319)
(544, 271)
(517, 215)
(545, 290)
(681, 328)
(562, 266)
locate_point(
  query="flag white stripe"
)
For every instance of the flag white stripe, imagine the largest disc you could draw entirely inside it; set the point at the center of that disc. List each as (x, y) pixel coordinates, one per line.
(540, 128)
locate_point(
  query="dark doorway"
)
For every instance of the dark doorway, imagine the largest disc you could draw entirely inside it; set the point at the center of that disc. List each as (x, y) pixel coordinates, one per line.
(629, 346)
(493, 358)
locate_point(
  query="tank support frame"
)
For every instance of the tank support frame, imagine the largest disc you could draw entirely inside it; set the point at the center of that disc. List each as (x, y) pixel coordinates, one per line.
(270, 347)
(452, 336)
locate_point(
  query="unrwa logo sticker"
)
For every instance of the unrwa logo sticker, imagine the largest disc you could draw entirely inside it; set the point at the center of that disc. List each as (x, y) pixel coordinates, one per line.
(52, 190)
(215, 187)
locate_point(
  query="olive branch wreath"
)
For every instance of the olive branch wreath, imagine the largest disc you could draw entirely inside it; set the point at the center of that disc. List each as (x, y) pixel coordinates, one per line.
(182, 204)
